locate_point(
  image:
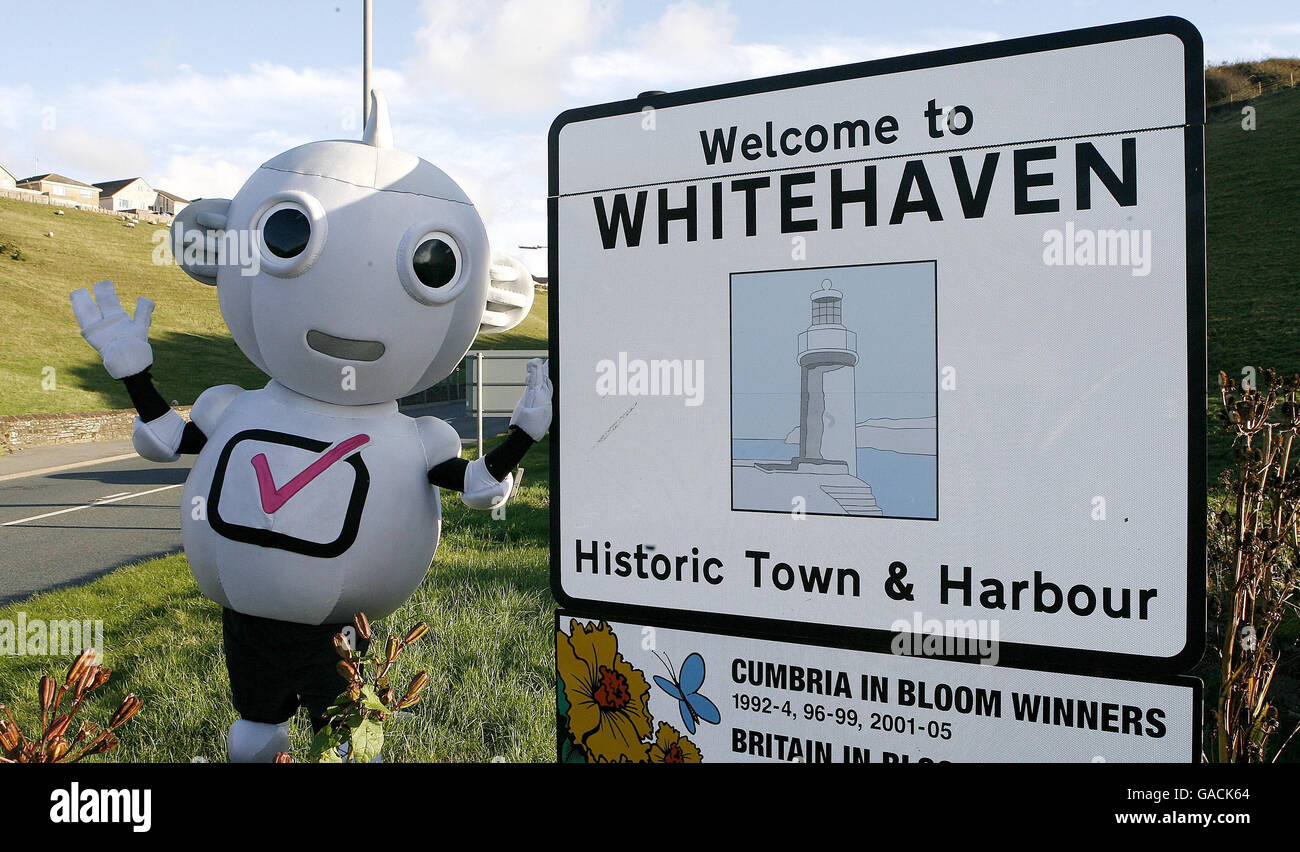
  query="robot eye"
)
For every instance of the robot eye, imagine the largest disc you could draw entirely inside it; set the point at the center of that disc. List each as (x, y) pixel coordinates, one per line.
(286, 232)
(430, 264)
(290, 228)
(435, 262)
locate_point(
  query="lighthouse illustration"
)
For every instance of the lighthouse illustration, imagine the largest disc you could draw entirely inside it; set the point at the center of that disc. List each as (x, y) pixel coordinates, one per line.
(828, 354)
(825, 422)
(823, 477)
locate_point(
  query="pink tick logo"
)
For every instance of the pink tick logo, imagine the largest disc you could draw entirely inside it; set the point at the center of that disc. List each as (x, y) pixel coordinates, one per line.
(273, 498)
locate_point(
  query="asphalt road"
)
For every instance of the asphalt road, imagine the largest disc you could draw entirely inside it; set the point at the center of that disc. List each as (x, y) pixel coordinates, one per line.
(68, 526)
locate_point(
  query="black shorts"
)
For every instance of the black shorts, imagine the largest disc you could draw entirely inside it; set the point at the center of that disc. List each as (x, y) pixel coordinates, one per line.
(276, 666)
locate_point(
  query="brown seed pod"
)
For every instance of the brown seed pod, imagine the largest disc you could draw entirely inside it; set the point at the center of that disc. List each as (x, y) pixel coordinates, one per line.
(126, 711)
(342, 647)
(9, 737)
(415, 634)
(412, 697)
(58, 726)
(55, 749)
(362, 624)
(102, 674)
(84, 659)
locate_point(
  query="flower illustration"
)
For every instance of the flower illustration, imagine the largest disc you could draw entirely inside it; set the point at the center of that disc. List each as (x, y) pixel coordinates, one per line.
(671, 747)
(609, 713)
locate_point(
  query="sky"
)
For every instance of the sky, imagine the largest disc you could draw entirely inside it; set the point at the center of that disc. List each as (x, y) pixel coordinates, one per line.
(193, 96)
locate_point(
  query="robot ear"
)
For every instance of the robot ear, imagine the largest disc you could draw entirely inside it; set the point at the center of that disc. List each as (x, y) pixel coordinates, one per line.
(194, 252)
(509, 297)
(378, 131)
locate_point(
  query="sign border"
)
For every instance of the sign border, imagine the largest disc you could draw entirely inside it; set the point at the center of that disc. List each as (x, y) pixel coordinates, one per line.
(1187, 681)
(1016, 655)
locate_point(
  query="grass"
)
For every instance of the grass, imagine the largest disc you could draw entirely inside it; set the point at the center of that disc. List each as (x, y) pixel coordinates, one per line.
(1253, 190)
(490, 652)
(192, 348)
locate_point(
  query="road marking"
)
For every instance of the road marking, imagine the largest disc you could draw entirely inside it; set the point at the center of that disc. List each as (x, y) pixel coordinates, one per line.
(58, 467)
(111, 496)
(91, 505)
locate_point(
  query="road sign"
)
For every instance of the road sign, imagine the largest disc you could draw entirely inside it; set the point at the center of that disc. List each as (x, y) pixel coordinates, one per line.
(638, 692)
(911, 340)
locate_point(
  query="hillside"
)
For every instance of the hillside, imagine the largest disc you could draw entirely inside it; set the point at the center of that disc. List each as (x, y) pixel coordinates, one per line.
(1253, 190)
(192, 347)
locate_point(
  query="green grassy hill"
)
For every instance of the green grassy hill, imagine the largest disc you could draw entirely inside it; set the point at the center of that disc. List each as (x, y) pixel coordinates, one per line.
(1253, 204)
(1253, 189)
(192, 347)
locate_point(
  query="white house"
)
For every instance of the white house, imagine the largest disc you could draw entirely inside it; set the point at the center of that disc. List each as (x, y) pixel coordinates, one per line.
(127, 194)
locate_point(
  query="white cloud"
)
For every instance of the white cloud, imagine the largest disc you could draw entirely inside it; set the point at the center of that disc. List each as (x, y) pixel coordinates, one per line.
(511, 55)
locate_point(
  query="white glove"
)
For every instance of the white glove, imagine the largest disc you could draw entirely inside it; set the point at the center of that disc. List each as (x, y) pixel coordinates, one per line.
(533, 413)
(122, 342)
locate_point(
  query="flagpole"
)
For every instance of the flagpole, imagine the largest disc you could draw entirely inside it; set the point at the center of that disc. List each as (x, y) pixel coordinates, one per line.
(365, 62)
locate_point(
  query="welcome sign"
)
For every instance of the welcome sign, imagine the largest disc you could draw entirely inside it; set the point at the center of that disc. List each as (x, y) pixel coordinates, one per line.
(917, 341)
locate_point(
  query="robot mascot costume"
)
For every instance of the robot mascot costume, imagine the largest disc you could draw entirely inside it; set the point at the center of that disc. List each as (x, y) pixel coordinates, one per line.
(313, 498)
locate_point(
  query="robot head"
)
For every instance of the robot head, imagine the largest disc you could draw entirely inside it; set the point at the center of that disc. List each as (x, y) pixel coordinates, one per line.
(351, 272)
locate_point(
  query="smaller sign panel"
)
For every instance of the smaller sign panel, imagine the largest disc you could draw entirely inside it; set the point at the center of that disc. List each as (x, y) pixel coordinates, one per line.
(643, 693)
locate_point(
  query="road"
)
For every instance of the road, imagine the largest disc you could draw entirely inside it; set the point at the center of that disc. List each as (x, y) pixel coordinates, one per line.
(72, 513)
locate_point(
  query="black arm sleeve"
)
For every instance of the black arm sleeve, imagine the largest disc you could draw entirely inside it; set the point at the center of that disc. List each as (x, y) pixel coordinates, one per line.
(150, 405)
(499, 461)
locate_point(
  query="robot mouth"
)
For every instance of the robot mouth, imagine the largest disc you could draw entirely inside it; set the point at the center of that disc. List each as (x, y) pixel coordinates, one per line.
(344, 348)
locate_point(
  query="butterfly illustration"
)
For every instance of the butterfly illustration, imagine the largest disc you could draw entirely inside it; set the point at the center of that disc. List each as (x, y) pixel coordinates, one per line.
(685, 687)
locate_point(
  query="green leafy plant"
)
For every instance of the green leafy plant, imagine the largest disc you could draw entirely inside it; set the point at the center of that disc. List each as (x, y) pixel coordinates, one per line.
(55, 745)
(1254, 554)
(355, 731)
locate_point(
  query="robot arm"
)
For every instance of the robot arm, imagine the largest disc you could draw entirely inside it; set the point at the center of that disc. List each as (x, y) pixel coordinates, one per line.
(486, 482)
(159, 434)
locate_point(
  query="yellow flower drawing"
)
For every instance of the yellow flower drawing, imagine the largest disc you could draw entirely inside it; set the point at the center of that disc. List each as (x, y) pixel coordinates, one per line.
(671, 747)
(609, 713)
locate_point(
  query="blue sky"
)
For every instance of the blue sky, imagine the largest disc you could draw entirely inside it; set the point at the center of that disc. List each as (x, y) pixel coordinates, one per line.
(194, 95)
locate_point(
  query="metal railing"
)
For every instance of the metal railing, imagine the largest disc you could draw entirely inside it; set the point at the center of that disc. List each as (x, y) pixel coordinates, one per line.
(469, 382)
(476, 402)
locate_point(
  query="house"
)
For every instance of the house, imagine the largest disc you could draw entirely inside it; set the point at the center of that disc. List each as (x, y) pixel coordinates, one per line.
(169, 204)
(128, 194)
(60, 189)
(7, 179)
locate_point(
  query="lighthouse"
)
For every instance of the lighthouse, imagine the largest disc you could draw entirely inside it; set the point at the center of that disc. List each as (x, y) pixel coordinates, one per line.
(827, 356)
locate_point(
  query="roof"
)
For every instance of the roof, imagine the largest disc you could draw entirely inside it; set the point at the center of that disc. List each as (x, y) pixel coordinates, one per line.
(6, 171)
(56, 178)
(165, 194)
(113, 187)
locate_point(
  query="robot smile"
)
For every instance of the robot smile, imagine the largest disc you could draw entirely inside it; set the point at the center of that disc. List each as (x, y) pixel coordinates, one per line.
(344, 348)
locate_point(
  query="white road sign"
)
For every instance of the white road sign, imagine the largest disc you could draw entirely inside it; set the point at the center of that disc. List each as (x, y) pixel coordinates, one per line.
(916, 339)
(636, 692)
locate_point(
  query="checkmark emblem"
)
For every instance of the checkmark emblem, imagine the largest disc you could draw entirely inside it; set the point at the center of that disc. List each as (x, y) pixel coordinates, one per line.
(273, 498)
